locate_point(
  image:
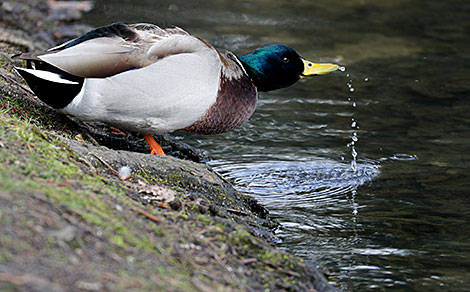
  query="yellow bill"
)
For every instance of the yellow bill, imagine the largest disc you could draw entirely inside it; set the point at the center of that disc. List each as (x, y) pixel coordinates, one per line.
(311, 68)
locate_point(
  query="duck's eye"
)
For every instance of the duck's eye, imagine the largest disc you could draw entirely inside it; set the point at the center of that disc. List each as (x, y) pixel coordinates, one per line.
(285, 60)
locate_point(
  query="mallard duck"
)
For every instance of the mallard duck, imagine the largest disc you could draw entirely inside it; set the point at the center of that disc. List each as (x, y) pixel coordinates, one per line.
(146, 79)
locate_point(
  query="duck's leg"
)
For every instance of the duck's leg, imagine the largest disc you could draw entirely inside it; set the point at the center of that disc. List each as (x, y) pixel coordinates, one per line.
(154, 147)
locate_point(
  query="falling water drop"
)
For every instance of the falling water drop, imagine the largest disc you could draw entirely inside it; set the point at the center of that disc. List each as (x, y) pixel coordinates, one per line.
(352, 144)
(355, 209)
(354, 160)
(354, 138)
(354, 126)
(354, 152)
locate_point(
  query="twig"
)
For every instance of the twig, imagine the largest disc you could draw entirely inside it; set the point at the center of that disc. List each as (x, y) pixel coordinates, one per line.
(162, 205)
(280, 269)
(117, 132)
(60, 184)
(88, 163)
(237, 212)
(148, 215)
(105, 163)
(249, 261)
(272, 265)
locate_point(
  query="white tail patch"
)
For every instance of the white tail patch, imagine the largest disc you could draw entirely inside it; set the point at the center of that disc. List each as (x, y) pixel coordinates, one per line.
(46, 75)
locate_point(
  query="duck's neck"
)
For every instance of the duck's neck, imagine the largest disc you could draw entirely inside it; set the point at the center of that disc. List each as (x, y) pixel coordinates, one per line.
(255, 67)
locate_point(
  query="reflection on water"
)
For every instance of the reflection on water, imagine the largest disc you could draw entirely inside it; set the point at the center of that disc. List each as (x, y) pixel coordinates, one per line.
(400, 222)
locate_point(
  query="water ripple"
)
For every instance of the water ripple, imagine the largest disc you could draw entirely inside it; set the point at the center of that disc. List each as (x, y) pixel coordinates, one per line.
(297, 183)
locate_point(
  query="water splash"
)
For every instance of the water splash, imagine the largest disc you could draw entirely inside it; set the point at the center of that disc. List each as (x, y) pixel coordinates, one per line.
(298, 183)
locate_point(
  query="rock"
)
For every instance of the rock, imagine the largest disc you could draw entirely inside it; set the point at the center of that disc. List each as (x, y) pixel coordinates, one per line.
(89, 286)
(67, 233)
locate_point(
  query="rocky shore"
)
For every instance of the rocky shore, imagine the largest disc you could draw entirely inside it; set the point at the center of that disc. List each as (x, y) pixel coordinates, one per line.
(70, 221)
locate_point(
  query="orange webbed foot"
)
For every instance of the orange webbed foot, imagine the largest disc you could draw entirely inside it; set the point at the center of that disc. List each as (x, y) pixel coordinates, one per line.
(154, 147)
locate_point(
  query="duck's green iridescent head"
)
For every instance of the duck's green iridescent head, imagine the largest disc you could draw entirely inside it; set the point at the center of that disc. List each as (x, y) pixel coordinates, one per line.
(277, 66)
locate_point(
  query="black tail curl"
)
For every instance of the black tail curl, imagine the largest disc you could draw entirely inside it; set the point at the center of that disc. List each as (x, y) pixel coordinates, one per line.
(56, 92)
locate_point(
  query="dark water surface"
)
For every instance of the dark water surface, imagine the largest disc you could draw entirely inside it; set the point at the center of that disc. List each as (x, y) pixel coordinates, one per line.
(400, 222)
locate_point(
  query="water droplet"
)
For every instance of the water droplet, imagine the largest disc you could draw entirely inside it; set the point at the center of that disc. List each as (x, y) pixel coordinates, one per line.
(366, 79)
(342, 68)
(354, 138)
(354, 165)
(354, 153)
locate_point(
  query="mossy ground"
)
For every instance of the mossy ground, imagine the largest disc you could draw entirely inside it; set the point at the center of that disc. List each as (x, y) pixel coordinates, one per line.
(67, 223)
(67, 226)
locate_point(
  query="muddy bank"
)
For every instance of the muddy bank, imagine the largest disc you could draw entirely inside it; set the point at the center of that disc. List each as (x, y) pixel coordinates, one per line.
(69, 223)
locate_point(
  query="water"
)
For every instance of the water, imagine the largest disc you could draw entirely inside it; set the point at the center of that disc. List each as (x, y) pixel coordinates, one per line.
(390, 211)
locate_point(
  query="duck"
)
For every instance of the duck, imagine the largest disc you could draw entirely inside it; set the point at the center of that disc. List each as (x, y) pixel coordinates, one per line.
(147, 79)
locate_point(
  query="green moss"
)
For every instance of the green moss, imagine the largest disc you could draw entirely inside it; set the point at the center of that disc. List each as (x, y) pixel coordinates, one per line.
(161, 270)
(118, 240)
(183, 216)
(48, 160)
(204, 219)
(36, 160)
(4, 257)
(144, 173)
(157, 231)
(176, 179)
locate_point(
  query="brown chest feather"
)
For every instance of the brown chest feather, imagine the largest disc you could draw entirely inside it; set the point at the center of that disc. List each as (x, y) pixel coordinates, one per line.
(235, 103)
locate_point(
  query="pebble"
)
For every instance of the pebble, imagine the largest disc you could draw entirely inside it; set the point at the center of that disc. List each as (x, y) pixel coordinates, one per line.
(7, 6)
(67, 233)
(89, 286)
(124, 173)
